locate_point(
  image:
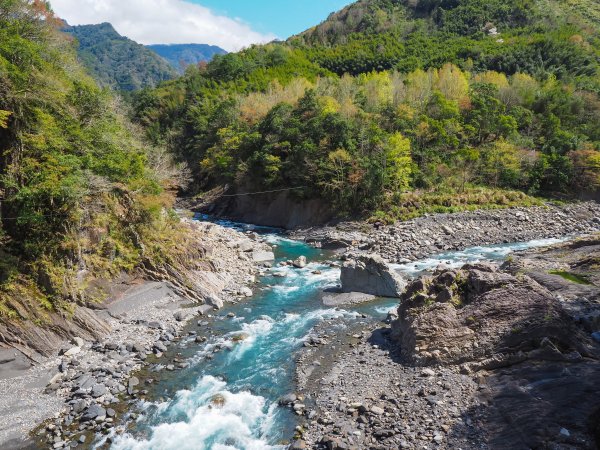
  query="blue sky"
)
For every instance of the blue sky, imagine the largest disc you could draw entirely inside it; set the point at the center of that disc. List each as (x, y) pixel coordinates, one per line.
(283, 18)
(230, 24)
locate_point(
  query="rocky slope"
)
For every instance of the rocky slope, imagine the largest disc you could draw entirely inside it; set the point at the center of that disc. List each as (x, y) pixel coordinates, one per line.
(83, 385)
(482, 357)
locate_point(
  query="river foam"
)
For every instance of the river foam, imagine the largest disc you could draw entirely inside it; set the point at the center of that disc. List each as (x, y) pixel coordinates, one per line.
(213, 418)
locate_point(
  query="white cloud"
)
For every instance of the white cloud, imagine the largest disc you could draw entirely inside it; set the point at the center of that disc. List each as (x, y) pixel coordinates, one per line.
(162, 22)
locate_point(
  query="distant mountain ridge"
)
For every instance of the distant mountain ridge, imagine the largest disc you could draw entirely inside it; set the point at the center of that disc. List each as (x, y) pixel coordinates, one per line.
(117, 61)
(182, 55)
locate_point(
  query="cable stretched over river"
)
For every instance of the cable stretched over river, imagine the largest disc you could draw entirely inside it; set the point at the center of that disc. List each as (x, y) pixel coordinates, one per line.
(262, 192)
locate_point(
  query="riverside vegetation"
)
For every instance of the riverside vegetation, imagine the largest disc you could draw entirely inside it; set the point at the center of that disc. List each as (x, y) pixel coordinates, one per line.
(83, 196)
(395, 108)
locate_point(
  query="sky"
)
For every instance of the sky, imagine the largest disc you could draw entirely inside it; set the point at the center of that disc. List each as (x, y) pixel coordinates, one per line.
(230, 24)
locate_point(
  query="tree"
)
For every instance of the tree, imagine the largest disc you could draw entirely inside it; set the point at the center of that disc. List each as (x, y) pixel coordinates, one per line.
(501, 164)
(586, 170)
(487, 115)
(398, 163)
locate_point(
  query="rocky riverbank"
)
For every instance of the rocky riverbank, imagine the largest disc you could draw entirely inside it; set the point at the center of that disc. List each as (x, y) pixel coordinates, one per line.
(81, 389)
(432, 234)
(479, 358)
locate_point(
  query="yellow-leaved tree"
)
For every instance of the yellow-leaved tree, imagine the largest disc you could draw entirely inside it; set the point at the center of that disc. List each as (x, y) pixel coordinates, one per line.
(398, 163)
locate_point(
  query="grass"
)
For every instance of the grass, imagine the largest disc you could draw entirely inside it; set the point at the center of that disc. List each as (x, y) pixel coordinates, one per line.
(414, 204)
(572, 277)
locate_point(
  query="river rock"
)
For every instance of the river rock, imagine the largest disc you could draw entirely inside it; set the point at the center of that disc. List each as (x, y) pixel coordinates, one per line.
(93, 412)
(73, 351)
(214, 301)
(300, 262)
(260, 256)
(370, 274)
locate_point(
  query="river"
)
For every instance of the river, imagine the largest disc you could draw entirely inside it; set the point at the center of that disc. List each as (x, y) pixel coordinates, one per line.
(227, 399)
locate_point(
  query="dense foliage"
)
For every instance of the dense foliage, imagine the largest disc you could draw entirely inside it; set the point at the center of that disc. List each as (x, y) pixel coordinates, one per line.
(391, 96)
(80, 193)
(116, 61)
(182, 55)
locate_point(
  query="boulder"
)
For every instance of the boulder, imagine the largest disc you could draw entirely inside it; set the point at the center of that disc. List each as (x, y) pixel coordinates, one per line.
(73, 351)
(246, 292)
(92, 412)
(370, 274)
(214, 301)
(464, 317)
(260, 256)
(300, 262)
(98, 390)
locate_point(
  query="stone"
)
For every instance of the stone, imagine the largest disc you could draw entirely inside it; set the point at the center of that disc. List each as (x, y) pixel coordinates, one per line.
(246, 246)
(377, 410)
(564, 432)
(79, 406)
(427, 373)
(79, 342)
(214, 301)
(260, 256)
(98, 390)
(370, 274)
(73, 351)
(246, 292)
(288, 399)
(298, 445)
(180, 316)
(596, 336)
(93, 412)
(159, 347)
(447, 229)
(300, 262)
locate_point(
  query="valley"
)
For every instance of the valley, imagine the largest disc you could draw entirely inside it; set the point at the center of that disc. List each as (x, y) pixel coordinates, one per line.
(382, 232)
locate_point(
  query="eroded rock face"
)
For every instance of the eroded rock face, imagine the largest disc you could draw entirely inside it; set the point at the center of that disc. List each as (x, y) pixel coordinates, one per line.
(370, 274)
(483, 319)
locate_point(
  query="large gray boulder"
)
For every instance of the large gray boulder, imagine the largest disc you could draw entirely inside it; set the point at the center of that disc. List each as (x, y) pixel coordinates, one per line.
(370, 274)
(260, 256)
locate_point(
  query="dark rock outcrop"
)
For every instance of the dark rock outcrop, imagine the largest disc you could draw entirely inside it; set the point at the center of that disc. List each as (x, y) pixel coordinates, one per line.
(484, 319)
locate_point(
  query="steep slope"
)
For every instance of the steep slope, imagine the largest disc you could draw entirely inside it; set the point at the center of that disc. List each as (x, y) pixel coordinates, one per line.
(117, 61)
(182, 55)
(392, 108)
(82, 198)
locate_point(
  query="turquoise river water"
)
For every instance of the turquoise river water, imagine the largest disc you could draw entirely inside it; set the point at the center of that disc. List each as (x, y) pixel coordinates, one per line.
(248, 361)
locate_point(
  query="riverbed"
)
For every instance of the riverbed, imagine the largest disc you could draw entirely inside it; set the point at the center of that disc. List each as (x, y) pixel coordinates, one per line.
(228, 396)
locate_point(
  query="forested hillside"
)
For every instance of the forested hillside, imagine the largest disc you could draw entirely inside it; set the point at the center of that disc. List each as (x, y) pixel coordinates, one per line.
(116, 61)
(182, 55)
(83, 197)
(395, 107)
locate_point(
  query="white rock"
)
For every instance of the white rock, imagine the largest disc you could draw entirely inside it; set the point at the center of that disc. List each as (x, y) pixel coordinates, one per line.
(300, 262)
(73, 351)
(246, 292)
(377, 410)
(262, 256)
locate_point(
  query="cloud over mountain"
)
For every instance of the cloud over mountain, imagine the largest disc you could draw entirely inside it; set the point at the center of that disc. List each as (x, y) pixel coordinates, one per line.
(162, 22)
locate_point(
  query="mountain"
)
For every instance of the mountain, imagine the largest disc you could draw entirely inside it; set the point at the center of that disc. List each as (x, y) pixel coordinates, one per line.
(182, 55)
(394, 108)
(117, 61)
